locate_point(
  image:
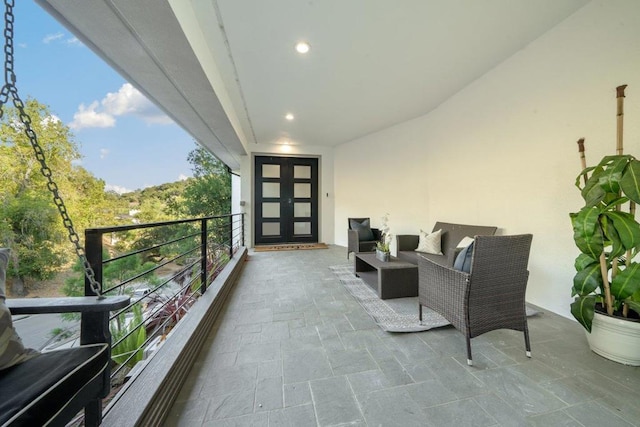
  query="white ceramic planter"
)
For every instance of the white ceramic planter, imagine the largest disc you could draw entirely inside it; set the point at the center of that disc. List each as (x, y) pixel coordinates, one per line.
(615, 339)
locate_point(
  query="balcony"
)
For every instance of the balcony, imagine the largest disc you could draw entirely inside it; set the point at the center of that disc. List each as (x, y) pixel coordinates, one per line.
(292, 347)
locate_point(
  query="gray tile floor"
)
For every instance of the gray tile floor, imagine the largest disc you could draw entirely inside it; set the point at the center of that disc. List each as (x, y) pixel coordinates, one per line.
(293, 348)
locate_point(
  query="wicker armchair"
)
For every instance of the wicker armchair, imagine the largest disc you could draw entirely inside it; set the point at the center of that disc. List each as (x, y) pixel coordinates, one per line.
(354, 242)
(491, 297)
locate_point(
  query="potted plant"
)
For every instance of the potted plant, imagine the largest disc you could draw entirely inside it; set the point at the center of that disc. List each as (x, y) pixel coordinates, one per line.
(382, 246)
(606, 286)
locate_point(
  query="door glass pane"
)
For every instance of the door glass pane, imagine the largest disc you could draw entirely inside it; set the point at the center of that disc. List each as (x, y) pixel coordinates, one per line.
(271, 171)
(270, 189)
(271, 210)
(302, 210)
(302, 171)
(301, 190)
(270, 228)
(301, 228)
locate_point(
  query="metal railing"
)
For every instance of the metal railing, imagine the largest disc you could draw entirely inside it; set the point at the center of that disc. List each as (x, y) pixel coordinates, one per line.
(164, 267)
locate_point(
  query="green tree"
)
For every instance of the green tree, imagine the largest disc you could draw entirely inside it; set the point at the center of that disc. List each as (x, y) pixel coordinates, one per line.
(209, 192)
(31, 225)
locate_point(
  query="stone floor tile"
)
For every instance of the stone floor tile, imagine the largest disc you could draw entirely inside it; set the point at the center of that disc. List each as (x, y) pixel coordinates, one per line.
(306, 365)
(269, 394)
(350, 361)
(296, 416)
(392, 407)
(334, 402)
(461, 413)
(297, 394)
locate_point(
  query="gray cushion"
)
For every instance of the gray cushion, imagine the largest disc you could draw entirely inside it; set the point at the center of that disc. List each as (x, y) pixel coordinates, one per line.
(12, 351)
(363, 229)
(463, 260)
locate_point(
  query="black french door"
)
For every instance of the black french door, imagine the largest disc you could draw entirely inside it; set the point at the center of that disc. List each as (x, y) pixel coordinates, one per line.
(286, 200)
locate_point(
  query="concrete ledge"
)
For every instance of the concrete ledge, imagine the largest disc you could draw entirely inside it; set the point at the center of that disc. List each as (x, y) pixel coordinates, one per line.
(146, 399)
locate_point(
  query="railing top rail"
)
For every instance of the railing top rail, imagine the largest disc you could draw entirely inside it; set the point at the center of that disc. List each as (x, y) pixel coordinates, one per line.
(102, 230)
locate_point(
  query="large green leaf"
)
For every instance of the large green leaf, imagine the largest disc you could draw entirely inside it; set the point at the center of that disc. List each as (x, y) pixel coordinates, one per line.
(610, 178)
(586, 231)
(593, 193)
(583, 261)
(630, 183)
(627, 227)
(626, 282)
(582, 309)
(584, 172)
(587, 281)
(612, 239)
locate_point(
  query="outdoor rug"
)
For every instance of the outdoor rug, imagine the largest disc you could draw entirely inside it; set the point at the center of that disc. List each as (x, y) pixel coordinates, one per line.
(392, 315)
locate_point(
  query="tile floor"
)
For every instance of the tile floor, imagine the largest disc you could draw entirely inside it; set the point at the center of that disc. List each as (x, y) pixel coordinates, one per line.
(293, 348)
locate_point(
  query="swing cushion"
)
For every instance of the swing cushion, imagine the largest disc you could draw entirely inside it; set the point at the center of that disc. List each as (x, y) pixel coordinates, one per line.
(50, 384)
(12, 351)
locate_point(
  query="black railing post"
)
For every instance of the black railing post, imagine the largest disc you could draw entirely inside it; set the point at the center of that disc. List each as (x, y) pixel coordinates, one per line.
(94, 327)
(242, 229)
(203, 254)
(230, 236)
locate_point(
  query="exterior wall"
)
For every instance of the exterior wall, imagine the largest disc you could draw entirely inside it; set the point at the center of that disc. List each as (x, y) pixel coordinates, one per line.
(326, 196)
(503, 150)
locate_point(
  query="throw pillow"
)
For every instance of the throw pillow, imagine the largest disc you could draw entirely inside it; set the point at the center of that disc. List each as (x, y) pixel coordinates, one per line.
(12, 351)
(430, 243)
(363, 229)
(463, 260)
(466, 241)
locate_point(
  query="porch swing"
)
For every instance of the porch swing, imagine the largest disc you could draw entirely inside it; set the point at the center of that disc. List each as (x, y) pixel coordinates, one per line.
(52, 387)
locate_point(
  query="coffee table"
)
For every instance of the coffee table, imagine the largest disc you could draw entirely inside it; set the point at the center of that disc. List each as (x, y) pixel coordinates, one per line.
(390, 279)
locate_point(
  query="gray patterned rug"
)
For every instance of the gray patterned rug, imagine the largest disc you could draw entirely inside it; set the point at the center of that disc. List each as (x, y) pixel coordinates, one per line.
(392, 315)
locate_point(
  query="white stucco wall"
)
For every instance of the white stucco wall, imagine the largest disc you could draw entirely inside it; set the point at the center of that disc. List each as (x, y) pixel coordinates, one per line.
(503, 150)
(325, 182)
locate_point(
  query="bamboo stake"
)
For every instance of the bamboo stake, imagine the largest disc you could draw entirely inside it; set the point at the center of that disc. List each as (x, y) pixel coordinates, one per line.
(620, 118)
(605, 283)
(619, 150)
(583, 159)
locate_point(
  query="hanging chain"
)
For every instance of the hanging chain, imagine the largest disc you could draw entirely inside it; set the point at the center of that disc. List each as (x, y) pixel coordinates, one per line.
(9, 88)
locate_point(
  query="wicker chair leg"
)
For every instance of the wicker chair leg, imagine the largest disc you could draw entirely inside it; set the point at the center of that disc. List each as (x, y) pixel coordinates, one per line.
(527, 344)
(469, 358)
(420, 312)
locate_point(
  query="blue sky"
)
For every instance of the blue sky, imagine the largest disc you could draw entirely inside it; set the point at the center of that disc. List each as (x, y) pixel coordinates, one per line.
(124, 139)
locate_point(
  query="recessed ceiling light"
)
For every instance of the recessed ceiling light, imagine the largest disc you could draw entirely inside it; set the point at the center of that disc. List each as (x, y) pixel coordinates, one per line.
(302, 47)
(289, 116)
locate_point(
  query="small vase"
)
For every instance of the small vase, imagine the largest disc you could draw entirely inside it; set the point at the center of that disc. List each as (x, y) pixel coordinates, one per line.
(383, 256)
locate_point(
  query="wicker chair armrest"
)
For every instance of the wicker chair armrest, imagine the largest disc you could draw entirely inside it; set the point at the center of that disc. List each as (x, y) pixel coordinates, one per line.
(352, 236)
(444, 290)
(407, 242)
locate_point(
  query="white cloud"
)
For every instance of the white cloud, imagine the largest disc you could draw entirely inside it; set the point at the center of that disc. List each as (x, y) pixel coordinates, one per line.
(128, 101)
(117, 189)
(89, 117)
(23, 45)
(182, 177)
(52, 37)
(104, 153)
(73, 41)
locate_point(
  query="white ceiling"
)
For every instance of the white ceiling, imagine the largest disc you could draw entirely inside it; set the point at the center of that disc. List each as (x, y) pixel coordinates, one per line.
(226, 70)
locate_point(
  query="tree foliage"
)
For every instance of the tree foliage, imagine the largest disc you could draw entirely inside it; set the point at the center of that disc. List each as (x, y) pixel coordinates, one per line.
(209, 192)
(30, 223)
